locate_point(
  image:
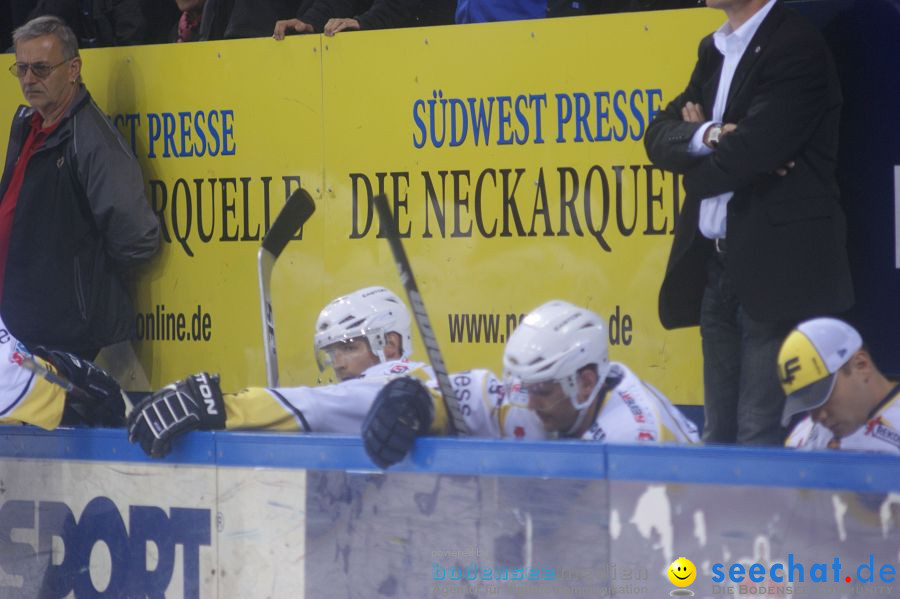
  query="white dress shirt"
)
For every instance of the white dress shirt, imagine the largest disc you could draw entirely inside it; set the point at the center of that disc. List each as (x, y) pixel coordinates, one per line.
(732, 45)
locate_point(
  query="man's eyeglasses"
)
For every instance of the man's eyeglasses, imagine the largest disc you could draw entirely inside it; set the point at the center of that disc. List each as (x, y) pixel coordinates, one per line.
(41, 70)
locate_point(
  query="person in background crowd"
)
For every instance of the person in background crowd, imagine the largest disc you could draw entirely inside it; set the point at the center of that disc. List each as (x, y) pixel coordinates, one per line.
(98, 23)
(188, 27)
(74, 222)
(487, 11)
(827, 372)
(333, 16)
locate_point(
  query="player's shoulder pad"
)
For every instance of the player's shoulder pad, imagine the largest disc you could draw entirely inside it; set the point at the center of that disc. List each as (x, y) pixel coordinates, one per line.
(393, 368)
(800, 434)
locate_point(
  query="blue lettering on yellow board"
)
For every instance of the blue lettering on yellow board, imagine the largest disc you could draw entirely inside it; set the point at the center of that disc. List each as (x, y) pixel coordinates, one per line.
(581, 117)
(182, 134)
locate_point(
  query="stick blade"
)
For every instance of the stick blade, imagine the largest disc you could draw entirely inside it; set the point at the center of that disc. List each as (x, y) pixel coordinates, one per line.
(296, 211)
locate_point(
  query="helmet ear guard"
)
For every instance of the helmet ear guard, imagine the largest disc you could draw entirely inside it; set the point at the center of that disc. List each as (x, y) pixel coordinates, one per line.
(582, 406)
(553, 343)
(571, 390)
(569, 386)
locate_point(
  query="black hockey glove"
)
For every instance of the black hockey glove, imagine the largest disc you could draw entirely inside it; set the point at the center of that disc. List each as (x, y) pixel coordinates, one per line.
(402, 411)
(101, 404)
(183, 406)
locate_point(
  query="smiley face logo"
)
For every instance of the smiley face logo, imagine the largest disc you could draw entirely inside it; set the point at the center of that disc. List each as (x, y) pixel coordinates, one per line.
(682, 572)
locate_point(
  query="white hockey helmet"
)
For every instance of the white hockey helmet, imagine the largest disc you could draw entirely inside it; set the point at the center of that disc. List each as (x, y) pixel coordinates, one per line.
(371, 312)
(552, 343)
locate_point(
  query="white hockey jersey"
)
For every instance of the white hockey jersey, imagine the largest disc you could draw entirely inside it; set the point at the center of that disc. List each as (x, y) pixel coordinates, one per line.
(24, 397)
(636, 412)
(632, 411)
(880, 433)
(341, 407)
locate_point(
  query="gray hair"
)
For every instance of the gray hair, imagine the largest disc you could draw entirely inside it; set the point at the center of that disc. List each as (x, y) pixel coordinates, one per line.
(48, 25)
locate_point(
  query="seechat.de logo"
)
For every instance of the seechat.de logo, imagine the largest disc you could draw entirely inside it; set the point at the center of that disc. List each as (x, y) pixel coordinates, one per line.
(682, 573)
(795, 571)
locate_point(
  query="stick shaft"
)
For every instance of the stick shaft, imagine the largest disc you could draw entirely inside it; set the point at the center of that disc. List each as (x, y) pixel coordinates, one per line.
(296, 211)
(55, 378)
(29, 363)
(451, 403)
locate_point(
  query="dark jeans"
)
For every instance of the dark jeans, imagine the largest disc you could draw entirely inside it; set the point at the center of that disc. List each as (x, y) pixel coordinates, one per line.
(743, 399)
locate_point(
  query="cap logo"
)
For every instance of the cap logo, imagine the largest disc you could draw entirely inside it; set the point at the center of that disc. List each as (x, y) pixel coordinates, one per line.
(790, 367)
(842, 352)
(799, 363)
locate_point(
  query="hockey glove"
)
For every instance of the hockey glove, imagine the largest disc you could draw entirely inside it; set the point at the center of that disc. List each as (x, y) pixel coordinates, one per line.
(101, 404)
(402, 411)
(183, 406)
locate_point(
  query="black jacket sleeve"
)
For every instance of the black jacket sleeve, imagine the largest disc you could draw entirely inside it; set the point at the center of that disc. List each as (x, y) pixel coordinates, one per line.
(317, 12)
(380, 14)
(385, 14)
(791, 98)
(668, 136)
(113, 183)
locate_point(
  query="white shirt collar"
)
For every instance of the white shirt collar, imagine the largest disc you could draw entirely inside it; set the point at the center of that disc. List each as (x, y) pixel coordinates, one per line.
(735, 42)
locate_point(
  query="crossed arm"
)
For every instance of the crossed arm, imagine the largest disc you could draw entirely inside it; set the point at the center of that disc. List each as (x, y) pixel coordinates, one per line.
(790, 99)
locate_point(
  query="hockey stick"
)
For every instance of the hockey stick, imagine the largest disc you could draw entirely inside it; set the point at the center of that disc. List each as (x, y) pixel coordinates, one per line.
(455, 421)
(29, 363)
(296, 211)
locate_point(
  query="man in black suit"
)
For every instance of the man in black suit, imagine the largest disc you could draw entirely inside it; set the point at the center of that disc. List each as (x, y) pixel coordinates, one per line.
(760, 168)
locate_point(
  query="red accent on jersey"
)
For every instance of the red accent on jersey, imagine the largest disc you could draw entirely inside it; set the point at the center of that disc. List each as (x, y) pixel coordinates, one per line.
(871, 424)
(633, 406)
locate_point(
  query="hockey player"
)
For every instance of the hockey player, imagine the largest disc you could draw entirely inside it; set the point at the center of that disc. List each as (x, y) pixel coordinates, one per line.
(30, 399)
(365, 336)
(357, 331)
(560, 358)
(557, 356)
(825, 370)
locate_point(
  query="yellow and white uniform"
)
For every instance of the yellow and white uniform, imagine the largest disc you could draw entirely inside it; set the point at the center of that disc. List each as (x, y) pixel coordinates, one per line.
(342, 407)
(636, 412)
(25, 397)
(633, 411)
(880, 433)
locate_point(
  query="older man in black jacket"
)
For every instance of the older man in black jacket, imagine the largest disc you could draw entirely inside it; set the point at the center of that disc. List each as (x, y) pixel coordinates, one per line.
(73, 216)
(759, 244)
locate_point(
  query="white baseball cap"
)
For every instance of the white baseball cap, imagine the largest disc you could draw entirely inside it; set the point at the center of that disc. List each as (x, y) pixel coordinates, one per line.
(809, 360)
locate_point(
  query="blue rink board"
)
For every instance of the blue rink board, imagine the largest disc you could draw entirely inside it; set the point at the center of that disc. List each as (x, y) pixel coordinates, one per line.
(548, 459)
(607, 519)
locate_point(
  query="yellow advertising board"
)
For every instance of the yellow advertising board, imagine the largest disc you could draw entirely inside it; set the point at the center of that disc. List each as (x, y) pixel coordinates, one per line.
(223, 132)
(512, 155)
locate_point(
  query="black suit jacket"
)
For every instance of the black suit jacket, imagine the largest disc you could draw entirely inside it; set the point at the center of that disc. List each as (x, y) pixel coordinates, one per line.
(785, 235)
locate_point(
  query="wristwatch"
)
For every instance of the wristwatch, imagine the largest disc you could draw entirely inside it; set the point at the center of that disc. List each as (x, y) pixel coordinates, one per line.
(713, 134)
